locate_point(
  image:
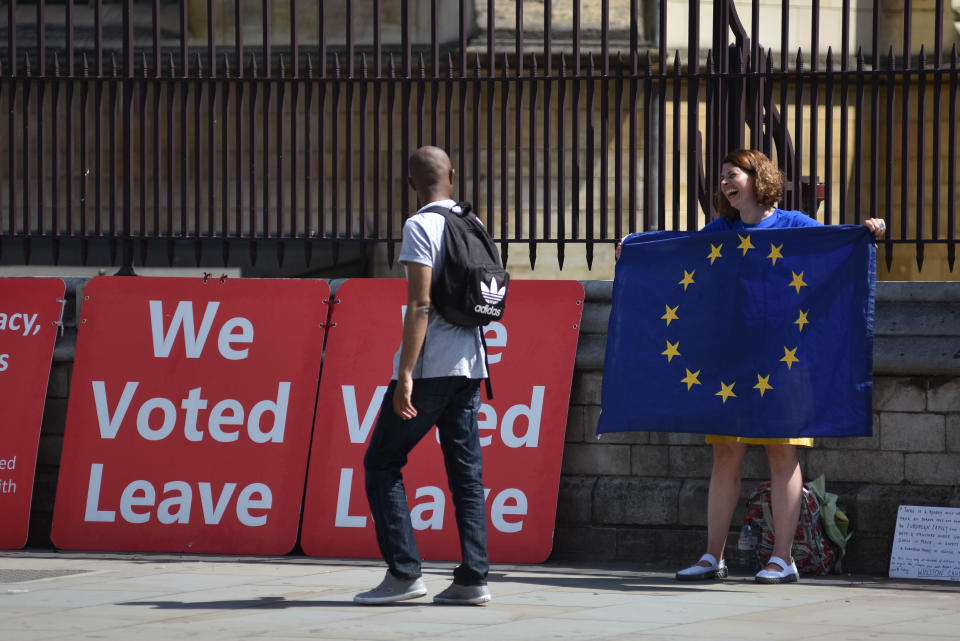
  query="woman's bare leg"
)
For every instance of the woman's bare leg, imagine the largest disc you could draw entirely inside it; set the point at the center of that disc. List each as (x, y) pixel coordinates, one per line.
(786, 491)
(723, 494)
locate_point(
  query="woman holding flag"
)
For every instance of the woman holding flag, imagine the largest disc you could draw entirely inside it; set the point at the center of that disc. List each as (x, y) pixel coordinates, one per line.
(750, 187)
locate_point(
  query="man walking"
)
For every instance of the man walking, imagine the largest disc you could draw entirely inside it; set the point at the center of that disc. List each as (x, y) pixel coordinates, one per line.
(436, 381)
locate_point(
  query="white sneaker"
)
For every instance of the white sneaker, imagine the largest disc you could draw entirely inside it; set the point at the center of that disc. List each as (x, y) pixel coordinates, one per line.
(391, 590)
(458, 594)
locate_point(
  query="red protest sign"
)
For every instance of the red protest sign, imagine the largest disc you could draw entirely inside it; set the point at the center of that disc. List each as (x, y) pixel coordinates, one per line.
(30, 310)
(522, 429)
(190, 413)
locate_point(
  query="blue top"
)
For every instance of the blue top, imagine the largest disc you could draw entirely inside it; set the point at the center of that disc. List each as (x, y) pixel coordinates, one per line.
(778, 220)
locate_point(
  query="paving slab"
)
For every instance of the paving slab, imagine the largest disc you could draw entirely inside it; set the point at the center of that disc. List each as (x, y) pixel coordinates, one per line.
(48, 595)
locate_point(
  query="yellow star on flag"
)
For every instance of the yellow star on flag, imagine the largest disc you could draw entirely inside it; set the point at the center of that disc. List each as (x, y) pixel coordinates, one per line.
(726, 391)
(802, 320)
(671, 350)
(670, 314)
(775, 253)
(763, 384)
(687, 279)
(745, 244)
(690, 379)
(715, 252)
(790, 357)
(797, 281)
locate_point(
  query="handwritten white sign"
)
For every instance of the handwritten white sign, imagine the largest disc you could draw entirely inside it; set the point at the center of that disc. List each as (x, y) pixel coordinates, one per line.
(926, 543)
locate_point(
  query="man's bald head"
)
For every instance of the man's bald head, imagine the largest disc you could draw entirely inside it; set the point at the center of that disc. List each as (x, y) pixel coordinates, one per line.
(431, 171)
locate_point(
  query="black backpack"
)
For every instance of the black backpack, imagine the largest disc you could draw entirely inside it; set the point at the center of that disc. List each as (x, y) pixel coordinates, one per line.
(471, 289)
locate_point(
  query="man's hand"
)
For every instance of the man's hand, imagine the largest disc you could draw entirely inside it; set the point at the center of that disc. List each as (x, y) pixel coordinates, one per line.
(402, 403)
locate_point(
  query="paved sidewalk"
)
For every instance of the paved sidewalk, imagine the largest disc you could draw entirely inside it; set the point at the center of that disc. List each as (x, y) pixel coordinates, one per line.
(51, 595)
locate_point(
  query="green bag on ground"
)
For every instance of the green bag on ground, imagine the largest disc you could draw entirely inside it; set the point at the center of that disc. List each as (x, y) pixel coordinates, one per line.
(835, 523)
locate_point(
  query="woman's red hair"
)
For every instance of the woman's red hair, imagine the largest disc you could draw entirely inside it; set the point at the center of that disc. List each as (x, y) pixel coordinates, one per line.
(767, 186)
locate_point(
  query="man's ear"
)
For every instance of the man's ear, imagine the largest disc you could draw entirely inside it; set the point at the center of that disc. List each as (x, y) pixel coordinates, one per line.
(450, 176)
(411, 183)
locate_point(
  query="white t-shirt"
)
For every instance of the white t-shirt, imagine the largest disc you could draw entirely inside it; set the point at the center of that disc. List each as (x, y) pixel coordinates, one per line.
(448, 350)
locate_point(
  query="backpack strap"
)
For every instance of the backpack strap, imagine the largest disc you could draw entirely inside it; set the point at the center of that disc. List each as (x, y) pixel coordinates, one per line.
(465, 209)
(486, 365)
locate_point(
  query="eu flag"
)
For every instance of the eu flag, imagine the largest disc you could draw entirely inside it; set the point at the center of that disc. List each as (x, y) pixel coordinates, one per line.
(757, 333)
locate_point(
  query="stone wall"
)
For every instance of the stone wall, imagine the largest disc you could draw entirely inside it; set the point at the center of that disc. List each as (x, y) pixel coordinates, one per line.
(641, 497)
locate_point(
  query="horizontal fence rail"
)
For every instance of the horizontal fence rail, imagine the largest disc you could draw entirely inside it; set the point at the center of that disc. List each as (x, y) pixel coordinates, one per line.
(206, 131)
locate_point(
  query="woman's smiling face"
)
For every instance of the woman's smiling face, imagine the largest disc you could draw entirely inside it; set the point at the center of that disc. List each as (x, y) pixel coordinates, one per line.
(738, 186)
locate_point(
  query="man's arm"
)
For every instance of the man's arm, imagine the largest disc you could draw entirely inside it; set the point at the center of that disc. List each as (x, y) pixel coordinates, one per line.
(419, 278)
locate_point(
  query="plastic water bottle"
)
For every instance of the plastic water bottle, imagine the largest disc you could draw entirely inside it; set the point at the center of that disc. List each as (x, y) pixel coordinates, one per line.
(747, 549)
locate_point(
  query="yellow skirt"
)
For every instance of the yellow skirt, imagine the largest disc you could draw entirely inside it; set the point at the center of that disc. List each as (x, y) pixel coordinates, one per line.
(799, 442)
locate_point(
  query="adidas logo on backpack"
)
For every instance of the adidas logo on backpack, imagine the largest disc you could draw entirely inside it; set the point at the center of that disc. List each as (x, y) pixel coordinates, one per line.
(487, 309)
(490, 292)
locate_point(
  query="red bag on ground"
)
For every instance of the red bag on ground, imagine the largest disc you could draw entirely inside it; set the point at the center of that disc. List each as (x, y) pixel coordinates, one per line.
(813, 552)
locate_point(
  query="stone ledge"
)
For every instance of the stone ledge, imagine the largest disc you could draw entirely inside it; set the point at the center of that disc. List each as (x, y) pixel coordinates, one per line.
(597, 290)
(918, 292)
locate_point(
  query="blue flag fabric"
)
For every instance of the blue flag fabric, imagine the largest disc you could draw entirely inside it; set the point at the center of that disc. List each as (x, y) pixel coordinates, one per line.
(757, 333)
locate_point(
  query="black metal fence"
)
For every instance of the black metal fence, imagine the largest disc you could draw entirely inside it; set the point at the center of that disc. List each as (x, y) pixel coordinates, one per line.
(148, 125)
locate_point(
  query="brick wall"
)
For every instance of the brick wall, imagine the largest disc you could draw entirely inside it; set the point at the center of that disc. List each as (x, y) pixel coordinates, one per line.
(641, 497)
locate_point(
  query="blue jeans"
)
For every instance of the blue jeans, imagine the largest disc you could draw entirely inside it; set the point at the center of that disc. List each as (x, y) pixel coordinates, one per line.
(451, 403)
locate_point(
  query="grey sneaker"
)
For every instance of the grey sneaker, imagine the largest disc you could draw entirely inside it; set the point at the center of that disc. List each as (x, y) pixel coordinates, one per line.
(391, 590)
(458, 594)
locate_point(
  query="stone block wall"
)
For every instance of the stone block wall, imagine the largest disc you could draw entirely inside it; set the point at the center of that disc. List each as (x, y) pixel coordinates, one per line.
(641, 497)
